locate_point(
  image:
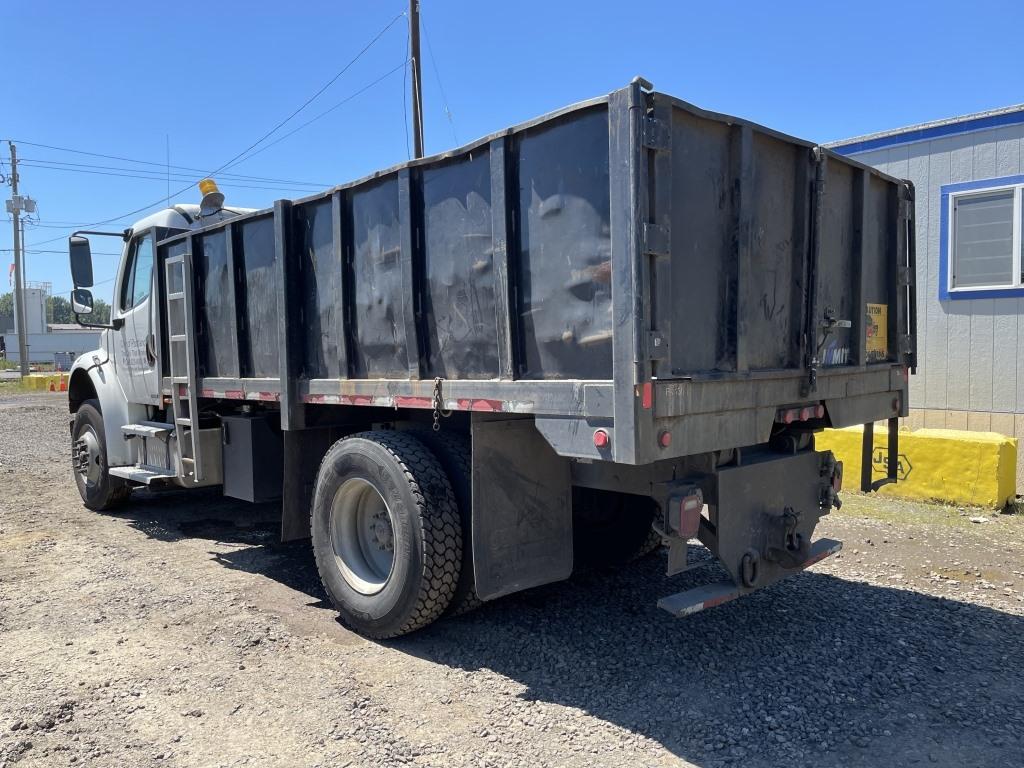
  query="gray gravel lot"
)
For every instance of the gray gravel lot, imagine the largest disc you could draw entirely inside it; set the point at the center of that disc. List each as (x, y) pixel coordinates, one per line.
(178, 632)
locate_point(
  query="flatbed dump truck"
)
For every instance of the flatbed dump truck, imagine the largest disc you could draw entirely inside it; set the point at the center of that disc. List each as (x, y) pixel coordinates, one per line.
(616, 326)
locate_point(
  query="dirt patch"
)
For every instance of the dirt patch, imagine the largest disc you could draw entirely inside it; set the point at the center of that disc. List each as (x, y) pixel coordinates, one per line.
(179, 632)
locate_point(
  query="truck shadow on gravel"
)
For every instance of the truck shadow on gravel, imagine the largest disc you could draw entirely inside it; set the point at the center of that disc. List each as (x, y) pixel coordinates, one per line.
(172, 516)
(816, 670)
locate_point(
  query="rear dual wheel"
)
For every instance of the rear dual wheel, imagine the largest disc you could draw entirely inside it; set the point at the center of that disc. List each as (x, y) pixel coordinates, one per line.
(386, 533)
(611, 528)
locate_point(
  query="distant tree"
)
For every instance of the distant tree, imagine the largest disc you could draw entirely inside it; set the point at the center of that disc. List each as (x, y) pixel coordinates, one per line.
(59, 310)
(6, 312)
(100, 312)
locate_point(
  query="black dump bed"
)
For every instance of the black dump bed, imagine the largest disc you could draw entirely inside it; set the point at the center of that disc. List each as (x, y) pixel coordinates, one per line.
(631, 263)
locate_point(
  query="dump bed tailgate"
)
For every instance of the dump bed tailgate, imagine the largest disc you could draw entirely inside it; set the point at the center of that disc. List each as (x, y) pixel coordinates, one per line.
(778, 274)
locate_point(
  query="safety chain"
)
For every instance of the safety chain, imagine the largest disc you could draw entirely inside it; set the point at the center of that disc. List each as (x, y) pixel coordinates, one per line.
(439, 411)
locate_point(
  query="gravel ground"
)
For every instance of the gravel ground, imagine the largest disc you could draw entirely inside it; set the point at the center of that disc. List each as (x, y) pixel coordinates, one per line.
(179, 633)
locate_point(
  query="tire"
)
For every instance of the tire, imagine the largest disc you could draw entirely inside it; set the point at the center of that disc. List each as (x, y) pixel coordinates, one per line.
(98, 489)
(454, 451)
(611, 528)
(386, 534)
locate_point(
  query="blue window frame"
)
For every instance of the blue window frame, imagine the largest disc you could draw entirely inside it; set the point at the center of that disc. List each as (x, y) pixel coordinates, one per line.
(980, 239)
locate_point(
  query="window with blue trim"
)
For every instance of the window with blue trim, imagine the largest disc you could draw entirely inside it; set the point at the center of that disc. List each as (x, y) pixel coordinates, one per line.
(984, 237)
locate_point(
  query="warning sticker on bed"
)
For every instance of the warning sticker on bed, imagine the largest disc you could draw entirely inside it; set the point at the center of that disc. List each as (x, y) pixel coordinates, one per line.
(877, 343)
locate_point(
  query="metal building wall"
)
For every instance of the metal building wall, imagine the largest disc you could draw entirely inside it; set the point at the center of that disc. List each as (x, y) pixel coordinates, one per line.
(971, 352)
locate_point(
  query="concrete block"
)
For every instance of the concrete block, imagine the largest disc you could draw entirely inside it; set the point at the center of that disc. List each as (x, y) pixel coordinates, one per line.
(979, 421)
(934, 419)
(956, 420)
(916, 418)
(1003, 424)
(955, 466)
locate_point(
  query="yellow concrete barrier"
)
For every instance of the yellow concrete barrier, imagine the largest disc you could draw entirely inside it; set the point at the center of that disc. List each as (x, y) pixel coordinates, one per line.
(47, 382)
(973, 468)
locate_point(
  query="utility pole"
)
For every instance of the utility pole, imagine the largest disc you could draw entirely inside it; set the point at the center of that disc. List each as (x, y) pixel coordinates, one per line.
(417, 89)
(15, 206)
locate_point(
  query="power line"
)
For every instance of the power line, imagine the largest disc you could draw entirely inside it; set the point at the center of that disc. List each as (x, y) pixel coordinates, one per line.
(69, 290)
(440, 87)
(238, 158)
(56, 250)
(151, 177)
(405, 108)
(230, 163)
(49, 225)
(326, 112)
(161, 166)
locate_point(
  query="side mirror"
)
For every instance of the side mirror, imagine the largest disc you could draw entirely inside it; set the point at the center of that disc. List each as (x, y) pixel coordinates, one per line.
(81, 263)
(81, 301)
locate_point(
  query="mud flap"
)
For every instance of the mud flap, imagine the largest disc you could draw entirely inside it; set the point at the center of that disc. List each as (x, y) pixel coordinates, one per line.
(522, 515)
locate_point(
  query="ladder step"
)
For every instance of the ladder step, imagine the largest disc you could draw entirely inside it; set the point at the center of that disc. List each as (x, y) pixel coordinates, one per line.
(183, 421)
(178, 337)
(179, 379)
(147, 429)
(175, 295)
(143, 475)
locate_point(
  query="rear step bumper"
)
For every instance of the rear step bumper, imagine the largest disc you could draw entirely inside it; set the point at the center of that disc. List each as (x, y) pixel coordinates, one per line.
(705, 596)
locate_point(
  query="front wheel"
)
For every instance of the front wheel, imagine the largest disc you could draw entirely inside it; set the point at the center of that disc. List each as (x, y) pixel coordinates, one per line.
(98, 489)
(386, 533)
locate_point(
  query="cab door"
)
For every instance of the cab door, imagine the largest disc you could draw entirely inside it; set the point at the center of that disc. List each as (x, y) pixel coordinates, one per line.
(135, 351)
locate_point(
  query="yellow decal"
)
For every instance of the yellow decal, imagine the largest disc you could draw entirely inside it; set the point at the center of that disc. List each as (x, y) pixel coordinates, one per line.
(877, 342)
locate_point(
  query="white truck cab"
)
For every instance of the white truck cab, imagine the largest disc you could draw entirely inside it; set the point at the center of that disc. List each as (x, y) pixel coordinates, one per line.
(118, 384)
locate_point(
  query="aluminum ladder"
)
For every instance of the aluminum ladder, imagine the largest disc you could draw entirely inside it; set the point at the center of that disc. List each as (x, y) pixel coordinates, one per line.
(181, 346)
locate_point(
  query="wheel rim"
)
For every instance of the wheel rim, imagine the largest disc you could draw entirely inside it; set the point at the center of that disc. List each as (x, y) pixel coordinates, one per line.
(362, 536)
(86, 455)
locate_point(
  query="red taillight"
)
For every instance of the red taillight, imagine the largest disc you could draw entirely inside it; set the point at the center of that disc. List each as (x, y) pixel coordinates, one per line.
(647, 395)
(689, 508)
(665, 438)
(806, 413)
(601, 439)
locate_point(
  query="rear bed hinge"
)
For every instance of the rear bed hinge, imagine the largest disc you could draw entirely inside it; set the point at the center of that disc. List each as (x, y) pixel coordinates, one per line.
(656, 135)
(656, 240)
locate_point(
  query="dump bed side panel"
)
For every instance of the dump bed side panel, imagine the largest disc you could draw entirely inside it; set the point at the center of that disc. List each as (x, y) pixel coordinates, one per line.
(421, 273)
(460, 332)
(563, 269)
(321, 313)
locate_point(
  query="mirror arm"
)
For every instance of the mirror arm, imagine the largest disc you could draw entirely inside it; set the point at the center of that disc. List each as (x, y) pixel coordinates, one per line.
(115, 325)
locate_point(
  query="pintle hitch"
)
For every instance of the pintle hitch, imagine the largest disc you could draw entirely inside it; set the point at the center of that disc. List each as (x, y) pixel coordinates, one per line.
(785, 546)
(791, 548)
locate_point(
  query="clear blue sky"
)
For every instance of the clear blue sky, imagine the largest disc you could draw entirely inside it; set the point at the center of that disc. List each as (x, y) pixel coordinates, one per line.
(119, 78)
